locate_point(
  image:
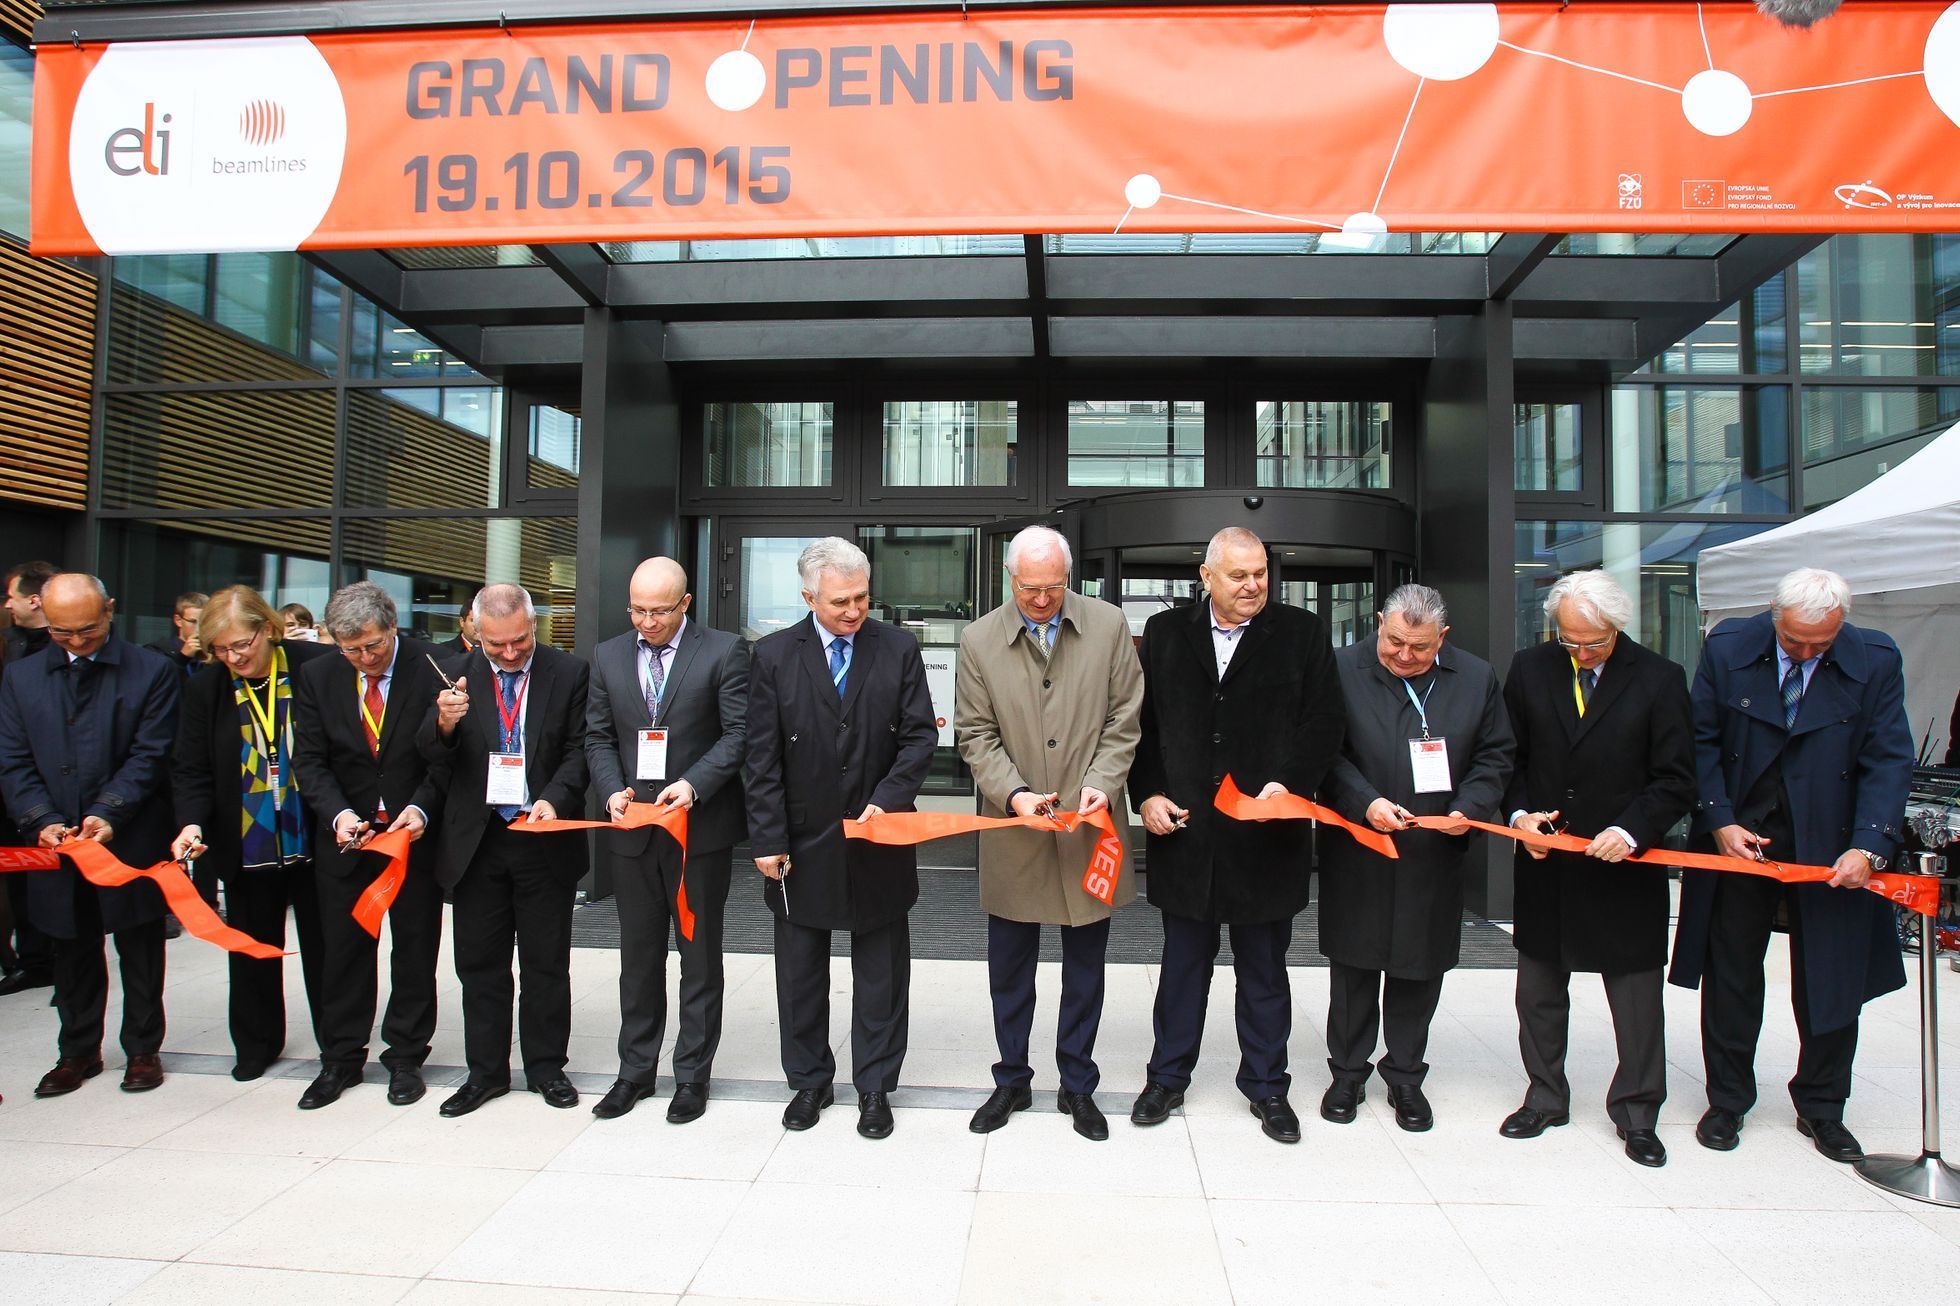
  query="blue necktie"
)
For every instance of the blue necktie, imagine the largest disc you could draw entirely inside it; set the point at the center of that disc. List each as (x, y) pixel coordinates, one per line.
(508, 735)
(840, 663)
(1792, 694)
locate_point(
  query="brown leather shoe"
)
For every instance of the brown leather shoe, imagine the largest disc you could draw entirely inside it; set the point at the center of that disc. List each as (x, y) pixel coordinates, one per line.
(67, 1076)
(143, 1073)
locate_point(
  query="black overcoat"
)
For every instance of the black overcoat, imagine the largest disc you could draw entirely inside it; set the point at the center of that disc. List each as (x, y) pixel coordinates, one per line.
(1277, 714)
(206, 787)
(811, 760)
(93, 743)
(1629, 762)
(1405, 917)
(1847, 766)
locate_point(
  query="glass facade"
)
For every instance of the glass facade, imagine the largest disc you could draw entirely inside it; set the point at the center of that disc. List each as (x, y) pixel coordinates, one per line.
(16, 110)
(1322, 445)
(1696, 449)
(1545, 448)
(1289, 242)
(1881, 306)
(1136, 443)
(951, 443)
(769, 444)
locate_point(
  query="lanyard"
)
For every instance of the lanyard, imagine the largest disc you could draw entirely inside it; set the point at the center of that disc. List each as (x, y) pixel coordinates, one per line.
(373, 721)
(516, 714)
(1421, 704)
(268, 716)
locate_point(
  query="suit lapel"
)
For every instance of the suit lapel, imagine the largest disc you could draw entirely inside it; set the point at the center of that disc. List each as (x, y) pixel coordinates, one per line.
(683, 659)
(1617, 672)
(536, 698)
(1198, 631)
(484, 709)
(856, 673)
(1757, 694)
(1257, 631)
(817, 667)
(1824, 702)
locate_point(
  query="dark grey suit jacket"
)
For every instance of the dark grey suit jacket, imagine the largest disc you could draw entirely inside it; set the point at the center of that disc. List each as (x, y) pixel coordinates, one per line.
(704, 706)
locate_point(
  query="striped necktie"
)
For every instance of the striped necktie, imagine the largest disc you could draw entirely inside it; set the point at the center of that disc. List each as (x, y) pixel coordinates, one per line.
(840, 663)
(1792, 695)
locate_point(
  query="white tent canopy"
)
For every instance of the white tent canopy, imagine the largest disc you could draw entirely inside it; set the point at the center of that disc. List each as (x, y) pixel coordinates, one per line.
(1897, 542)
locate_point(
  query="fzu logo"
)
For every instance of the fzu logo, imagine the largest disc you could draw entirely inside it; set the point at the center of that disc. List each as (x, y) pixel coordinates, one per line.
(130, 150)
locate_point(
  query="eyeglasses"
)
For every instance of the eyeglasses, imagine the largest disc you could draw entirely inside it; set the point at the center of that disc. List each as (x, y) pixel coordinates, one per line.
(77, 632)
(1032, 590)
(237, 648)
(1593, 647)
(638, 613)
(366, 650)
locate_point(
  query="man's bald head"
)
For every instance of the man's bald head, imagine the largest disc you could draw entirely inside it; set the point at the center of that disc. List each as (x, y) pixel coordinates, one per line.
(657, 600)
(78, 609)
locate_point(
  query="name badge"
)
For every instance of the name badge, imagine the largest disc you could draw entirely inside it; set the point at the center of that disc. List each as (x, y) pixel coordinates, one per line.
(277, 781)
(1429, 761)
(653, 755)
(503, 786)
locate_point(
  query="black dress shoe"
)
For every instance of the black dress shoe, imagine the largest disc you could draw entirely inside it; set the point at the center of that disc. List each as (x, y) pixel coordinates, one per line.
(28, 977)
(1000, 1107)
(1719, 1130)
(1831, 1138)
(1088, 1117)
(1529, 1122)
(1645, 1147)
(690, 1102)
(247, 1071)
(874, 1115)
(1411, 1107)
(405, 1086)
(806, 1106)
(1155, 1104)
(328, 1085)
(620, 1099)
(471, 1096)
(1341, 1100)
(556, 1092)
(1276, 1118)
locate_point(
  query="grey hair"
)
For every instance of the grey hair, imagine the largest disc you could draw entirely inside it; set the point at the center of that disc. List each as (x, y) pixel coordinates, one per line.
(1040, 541)
(1798, 13)
(354, 608)
(1418, 605)
(831, 554)
(1812, 594)
(1232, 537)
(496, 601)
(1595, 593)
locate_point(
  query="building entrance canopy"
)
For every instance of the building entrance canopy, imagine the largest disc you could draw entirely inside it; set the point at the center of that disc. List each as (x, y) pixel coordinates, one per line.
(1344, 120)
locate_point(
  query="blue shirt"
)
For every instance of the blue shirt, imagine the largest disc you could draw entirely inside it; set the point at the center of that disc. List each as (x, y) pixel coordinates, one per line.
(1053, 623)
(1783, 663)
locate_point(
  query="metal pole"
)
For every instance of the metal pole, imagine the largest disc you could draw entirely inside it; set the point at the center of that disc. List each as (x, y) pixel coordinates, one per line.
(1925, 1177)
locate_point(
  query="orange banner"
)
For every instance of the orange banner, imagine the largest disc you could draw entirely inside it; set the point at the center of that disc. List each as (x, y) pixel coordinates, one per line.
(1338, 121)
(102, 868)
(1098, 878)
(1921, 893)
(1292, 807)
(638, 816)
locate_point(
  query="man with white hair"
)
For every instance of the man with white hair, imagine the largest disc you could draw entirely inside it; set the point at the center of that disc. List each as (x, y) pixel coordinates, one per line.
(1606, 752)
(840, 728)
(1802, 754)
(1047, 698)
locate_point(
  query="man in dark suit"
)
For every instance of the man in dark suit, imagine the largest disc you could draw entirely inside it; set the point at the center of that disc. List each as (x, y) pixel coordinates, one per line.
(840, 727)
(182, 645)
(85, 730)
(466, 639)
(1802, 752)
(516, 746)
(1232, 685)
(665, 723)
(1606, 752)
(362, 773)
(29, 963)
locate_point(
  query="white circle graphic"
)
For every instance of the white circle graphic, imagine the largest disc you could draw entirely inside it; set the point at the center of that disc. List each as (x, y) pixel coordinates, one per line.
(1444, 43)
(1717, 103)
(1143, 191)
(736, 81)
(1364, 224)
(170, 150)
(1943, 63)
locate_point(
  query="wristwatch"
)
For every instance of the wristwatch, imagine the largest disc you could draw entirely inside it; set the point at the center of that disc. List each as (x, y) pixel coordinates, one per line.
(1878, 863)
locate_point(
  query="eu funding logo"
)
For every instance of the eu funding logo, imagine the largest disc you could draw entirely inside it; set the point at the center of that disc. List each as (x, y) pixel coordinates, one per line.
(130, 151)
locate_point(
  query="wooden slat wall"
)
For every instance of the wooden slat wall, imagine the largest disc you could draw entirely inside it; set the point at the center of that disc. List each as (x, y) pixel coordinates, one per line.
(47, 342)
(17, 17)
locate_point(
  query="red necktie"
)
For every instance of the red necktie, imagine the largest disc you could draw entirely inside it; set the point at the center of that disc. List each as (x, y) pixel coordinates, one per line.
(371, 718)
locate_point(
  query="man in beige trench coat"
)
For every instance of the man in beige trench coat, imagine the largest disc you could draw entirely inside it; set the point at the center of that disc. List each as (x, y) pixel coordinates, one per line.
(1049, 693)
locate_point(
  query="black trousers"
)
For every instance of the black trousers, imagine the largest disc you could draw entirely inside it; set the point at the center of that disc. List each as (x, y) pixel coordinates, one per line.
(1013, 948)
(644, 888)
(1732, 995)
(1362, 1004)
(347, 967)
(256, 902)
(1544, 1002)
(518, 892)
(81, 984)
(32, 949)
(881, 1004)
(1263, 1004)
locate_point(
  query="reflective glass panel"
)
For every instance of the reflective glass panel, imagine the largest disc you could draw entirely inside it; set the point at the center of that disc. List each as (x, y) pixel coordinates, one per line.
(425, 447)
(951, 442)
(428, 563)
(1136, 442)
(1652, 244)
(146, 564)
(1881, 306)
(1545, 440)
(923, 581)
(1700, 450)
(772, 592)
(768, 444)
(467, 256)
(238, 449)
(1853, 437)
(678, 251)
(223, 317)
(16, 135)
(1283, 242)
(1316, 444)
(554, 447)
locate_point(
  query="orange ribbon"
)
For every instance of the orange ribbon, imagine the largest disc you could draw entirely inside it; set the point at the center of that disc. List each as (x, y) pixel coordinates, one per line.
(103, 869)
(638, 816)
(902, 828)
(377, 898)
(1292, 807)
